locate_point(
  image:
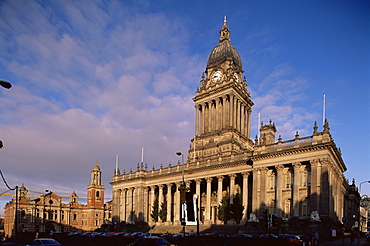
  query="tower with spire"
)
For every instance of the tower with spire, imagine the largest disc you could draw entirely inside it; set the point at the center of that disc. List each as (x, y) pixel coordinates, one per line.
(223, 105)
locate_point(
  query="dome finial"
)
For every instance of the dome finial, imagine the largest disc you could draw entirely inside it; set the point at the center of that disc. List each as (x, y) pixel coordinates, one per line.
(225, 20)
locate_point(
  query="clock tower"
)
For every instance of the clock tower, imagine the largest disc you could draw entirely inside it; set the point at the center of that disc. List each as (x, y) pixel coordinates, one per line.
(223, 107)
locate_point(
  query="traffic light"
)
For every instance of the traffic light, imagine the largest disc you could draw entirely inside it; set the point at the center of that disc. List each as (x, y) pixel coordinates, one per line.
(266, 219)
(274, 220)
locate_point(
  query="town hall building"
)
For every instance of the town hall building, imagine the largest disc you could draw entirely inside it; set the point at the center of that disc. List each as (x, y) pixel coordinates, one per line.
(298, 178)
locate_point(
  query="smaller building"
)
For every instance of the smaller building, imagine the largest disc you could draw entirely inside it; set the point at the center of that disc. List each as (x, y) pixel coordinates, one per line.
(47, 212)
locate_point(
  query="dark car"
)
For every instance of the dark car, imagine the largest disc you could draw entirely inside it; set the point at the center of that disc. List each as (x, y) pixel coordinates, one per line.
(45, 241)
(150, 241)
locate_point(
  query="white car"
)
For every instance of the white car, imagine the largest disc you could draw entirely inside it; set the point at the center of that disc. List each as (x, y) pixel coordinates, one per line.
(45, 241)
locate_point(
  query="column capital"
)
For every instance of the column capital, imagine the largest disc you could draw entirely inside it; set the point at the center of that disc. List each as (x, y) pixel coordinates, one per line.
(161, 186)
(169, 184)
(220, 178)
(209, 179)
(198, 181)
(255, 171)
(315, 162)
(264, 170)
(245, 174)
(279, 168)
(296, 165)
(232, 176)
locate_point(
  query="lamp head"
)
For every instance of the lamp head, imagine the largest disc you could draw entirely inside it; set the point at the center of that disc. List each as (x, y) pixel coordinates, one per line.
(179, 153)
(5, 84)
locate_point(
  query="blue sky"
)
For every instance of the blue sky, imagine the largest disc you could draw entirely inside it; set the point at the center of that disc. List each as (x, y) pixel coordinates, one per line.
(96, 79)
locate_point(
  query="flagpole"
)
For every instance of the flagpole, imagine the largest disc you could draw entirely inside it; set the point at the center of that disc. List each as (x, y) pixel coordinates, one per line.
(324, 110)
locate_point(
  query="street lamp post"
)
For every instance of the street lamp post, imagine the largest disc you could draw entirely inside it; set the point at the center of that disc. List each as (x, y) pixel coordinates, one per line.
(182, 190)
(368, 181)
(360, 220)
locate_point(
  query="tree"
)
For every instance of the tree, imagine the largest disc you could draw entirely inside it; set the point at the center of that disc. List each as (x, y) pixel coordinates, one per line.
(163, 211)
(155, 212)
(224, 208)
(237, 208)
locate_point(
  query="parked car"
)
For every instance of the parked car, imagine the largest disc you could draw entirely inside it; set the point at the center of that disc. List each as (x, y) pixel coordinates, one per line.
(150, 241)
(293, 239)
(45, 241)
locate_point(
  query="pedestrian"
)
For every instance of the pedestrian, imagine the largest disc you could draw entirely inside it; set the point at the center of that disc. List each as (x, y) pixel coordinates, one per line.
(316, 238)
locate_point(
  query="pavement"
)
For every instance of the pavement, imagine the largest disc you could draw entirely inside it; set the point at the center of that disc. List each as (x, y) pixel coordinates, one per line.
(347, 242)
(339, 242)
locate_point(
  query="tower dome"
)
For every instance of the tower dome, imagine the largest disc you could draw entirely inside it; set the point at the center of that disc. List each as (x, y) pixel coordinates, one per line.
(224, 50)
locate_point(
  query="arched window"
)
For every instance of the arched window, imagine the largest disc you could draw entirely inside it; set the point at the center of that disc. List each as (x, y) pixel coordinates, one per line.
(272, 181)
(288, 179)
(305, 208)
(97, 194)
(74, 217)
(23, 214)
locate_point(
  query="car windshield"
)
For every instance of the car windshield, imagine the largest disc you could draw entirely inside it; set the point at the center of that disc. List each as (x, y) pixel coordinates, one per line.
(48, 241)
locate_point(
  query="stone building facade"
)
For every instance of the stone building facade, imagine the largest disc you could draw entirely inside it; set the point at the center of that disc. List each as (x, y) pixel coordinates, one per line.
(290, 178)
(47, 212)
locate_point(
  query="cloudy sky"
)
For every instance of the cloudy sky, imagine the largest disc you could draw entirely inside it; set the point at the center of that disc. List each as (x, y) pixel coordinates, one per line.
(95, 79)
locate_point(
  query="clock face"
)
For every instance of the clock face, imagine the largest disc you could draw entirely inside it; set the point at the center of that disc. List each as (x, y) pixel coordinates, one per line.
(216, 76)
(236, 77)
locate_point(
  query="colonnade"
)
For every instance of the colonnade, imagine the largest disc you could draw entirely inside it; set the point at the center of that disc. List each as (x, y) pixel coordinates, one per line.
(227, 111)
(286, 189)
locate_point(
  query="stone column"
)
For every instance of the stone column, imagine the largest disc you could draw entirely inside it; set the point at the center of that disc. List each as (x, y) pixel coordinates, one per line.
(124, 202)
(279, 189)
(249, 123)
(314, 196)
(152, 199)
(219, 188)
(235, 117)
(169, 202)
(227, 112)
(176, 206)
(231, 111)
(219, 192)
(232, 186)
(201, 119)
(146, 204)
(208, 117)
(296, 185)
(208, 206)
(196, 120)
(242, 119)
(130, 204)
(255, 194)
(245, 196)
(263, 190)
(160, 195)
(197, 191)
